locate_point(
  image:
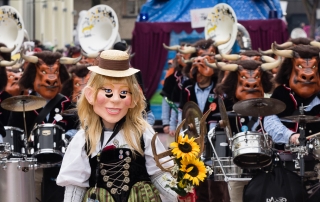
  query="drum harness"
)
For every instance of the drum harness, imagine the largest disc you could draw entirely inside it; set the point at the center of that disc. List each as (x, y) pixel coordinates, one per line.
(44, 112)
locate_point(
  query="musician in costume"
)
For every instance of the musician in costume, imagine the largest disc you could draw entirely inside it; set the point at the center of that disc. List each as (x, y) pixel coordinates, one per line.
(203, 94)
(73, 86)
(113, 146)
(44, 76)
(172, 89)
(298, 80)
(289, 43)
(247, 77)
(5, 60)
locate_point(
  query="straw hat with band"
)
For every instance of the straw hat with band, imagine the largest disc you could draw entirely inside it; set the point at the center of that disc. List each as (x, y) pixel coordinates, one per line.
(113, 63)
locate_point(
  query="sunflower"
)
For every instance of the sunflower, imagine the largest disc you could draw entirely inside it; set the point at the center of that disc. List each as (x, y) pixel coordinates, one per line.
(185, 148)
(194, 170)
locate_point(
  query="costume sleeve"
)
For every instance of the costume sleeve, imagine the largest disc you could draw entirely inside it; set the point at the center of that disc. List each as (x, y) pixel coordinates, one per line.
(74, 193)
(75, 168)
(279, 132)
(173, 119)
(160, 180)
(157, 175)
(151, 166)
(150, 118)
(165, 115)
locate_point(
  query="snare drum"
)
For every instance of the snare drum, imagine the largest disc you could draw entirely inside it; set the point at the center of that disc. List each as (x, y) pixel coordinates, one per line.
(17, 180)
(229, 168)
(15, 137)
(252, 150)
(48, 145)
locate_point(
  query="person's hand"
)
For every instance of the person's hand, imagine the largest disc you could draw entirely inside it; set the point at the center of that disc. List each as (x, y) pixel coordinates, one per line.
(172, 133)
(166, 129)
(294, 139)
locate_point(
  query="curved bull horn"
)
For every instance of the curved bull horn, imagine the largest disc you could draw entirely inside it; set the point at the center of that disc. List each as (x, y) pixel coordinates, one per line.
(231, 56)
(187, 50)
(173, 48)
(90, 55)
(271, 65)
(31, 58)
(213, 65)
(218, 43)
(284, 45)
(266, 52)
(69, 61)
(265, 58)
(218, 57)
(187, 61)
(227, 67)
(7, 50)
(4, 63)
(283, 53)
(315, 43)
(131, 55)
(128, 50)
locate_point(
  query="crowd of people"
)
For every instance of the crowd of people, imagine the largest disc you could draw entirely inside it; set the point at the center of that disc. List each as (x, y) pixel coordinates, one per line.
(287, 72)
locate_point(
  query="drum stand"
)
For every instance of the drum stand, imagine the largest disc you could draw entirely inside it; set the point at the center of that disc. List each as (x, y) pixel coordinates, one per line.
(210, 135)
(25, 141)
(302, 149)
(24, 116)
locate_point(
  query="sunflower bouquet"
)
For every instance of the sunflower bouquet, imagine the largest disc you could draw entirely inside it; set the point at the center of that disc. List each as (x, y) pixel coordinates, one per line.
(188, 170)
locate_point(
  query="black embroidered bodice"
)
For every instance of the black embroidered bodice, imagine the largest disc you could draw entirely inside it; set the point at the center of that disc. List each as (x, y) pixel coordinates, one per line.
(118, 172)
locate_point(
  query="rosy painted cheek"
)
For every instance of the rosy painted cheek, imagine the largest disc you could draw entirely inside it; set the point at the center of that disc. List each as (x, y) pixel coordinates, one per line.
(100, 99)
(127, 102)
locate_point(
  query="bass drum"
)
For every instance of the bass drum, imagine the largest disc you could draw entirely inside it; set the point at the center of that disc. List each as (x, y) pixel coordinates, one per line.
(17, 180)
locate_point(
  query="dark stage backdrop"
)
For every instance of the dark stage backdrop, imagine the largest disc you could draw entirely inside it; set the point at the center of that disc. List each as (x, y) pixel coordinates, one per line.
(150, 56)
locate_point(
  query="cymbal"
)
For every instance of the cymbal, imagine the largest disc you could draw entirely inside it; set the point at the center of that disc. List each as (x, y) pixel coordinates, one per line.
(29, 102)
(301, 119)
(225, 118)
(192, 114)
(259, 107)
(70, 112)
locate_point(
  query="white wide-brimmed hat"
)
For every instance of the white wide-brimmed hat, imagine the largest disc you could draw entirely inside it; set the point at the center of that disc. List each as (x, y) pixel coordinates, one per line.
(113, 63)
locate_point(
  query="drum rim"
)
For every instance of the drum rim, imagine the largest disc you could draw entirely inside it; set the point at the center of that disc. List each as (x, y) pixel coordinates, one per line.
(47, 151)
(251, 133)
(12, 127)
(47, 125)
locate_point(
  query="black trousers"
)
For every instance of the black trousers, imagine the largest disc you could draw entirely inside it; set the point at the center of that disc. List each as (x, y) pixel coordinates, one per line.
(50, 191)
(212, 191)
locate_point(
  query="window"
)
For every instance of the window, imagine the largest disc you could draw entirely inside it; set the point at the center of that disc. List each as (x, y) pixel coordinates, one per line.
(131, 8)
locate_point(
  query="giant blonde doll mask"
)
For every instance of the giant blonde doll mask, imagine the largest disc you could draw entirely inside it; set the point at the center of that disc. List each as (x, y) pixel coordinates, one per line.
(112, 102)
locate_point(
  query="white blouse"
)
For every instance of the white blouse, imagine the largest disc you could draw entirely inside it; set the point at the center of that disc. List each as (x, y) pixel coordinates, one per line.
(75, 168)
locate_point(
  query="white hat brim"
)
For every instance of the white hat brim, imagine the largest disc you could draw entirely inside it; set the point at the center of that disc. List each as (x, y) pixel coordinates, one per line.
(113, 73)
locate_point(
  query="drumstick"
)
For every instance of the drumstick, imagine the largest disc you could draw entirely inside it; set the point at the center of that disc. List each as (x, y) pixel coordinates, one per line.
(310, 136)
